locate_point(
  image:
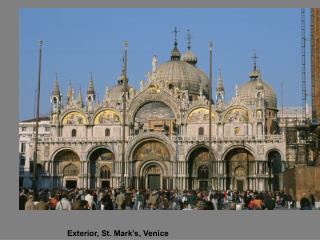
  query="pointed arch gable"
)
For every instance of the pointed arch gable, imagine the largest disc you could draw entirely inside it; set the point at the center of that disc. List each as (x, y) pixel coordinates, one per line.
(236, 113)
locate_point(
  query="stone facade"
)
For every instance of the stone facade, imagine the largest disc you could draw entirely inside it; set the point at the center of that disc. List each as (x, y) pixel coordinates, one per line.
(166, 142)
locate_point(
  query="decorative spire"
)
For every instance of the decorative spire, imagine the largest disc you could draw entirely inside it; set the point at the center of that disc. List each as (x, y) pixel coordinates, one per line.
(189, 56)
(259, 85)
(254, 60)
(254, 73)
(79, 98)
(220, 87)
(123, 76)
(90, 89)
(56, 90)
(69, 94)
(175, 53)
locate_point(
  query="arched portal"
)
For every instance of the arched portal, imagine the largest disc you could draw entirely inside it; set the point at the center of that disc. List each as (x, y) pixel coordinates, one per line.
(153, 175)
(151, 160)
(198, 171)
(66, 169)
(237, 162)
(275, 170)
(100, 164)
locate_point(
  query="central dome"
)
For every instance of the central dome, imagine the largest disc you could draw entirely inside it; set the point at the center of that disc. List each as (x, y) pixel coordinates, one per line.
(182, 75)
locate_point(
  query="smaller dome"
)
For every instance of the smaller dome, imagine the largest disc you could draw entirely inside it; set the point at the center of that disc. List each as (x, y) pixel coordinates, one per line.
(189, 57)
(247, 92)
(115, 92)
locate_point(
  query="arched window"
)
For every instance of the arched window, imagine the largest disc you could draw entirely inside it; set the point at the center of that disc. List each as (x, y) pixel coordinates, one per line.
(107, 132)
(200, 131)
(105, 173)
(203, 172)
(259, 94)
(55, 100)
(73, 133)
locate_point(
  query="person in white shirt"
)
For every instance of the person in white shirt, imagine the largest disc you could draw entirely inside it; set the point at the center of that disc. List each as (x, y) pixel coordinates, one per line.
(64, 203)
(89, 199)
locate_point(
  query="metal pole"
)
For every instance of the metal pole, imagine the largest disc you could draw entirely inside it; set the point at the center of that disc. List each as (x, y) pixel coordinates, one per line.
(210, 120)
(35, 159)
(124, 98)
(303, 64)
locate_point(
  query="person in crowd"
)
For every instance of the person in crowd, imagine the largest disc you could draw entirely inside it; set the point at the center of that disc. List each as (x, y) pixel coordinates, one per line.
(42, 204)
(23, 198)
(305, 203)
(29, 203)
(120, 200)
(64, 203)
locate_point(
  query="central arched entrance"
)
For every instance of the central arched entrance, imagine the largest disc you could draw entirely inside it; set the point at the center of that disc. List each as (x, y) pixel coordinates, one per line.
(153, 174)
(238, 163)
(152, 160)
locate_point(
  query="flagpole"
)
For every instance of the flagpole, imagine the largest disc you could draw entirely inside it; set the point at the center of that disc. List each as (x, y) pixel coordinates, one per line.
(35, 159)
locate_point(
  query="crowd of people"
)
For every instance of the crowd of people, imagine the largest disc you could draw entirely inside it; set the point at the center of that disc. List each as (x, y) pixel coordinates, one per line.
(133, 199)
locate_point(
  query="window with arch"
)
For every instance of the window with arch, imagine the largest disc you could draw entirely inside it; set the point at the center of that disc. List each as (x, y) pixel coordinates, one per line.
(73, 133)
(203, 172)
(55, 100)
(259, 95)
(201, 131)
(107, 132)
(105, 172)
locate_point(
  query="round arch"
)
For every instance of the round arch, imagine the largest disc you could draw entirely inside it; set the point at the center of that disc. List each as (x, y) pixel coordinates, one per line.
(232, 110)
(60, 160)
(60, 150)
(243, 146)
(275, 169)
(97, 147)
(150, 137)
(97, 157)
(274, 149)
(73, 116)
(237, 161)
(199, 114)
(153, 175)
(144, 98)
(198, 159)
(195, 146)
(113, 113)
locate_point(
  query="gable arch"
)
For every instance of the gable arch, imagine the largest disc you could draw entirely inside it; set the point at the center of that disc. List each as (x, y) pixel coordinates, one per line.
(145, 97)
(106, 115)
(199, 114)
(244, 114)
(73, 117)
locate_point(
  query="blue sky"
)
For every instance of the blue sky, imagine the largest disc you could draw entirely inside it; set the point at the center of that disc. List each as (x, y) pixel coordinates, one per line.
(80, 41)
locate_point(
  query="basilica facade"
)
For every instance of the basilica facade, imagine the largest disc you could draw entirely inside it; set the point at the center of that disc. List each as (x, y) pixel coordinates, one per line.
(166, 133)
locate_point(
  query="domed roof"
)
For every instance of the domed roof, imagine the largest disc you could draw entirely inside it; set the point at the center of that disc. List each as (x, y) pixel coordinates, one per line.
(247, 92)
(115, 92)
(189, 57)
(182, 75)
